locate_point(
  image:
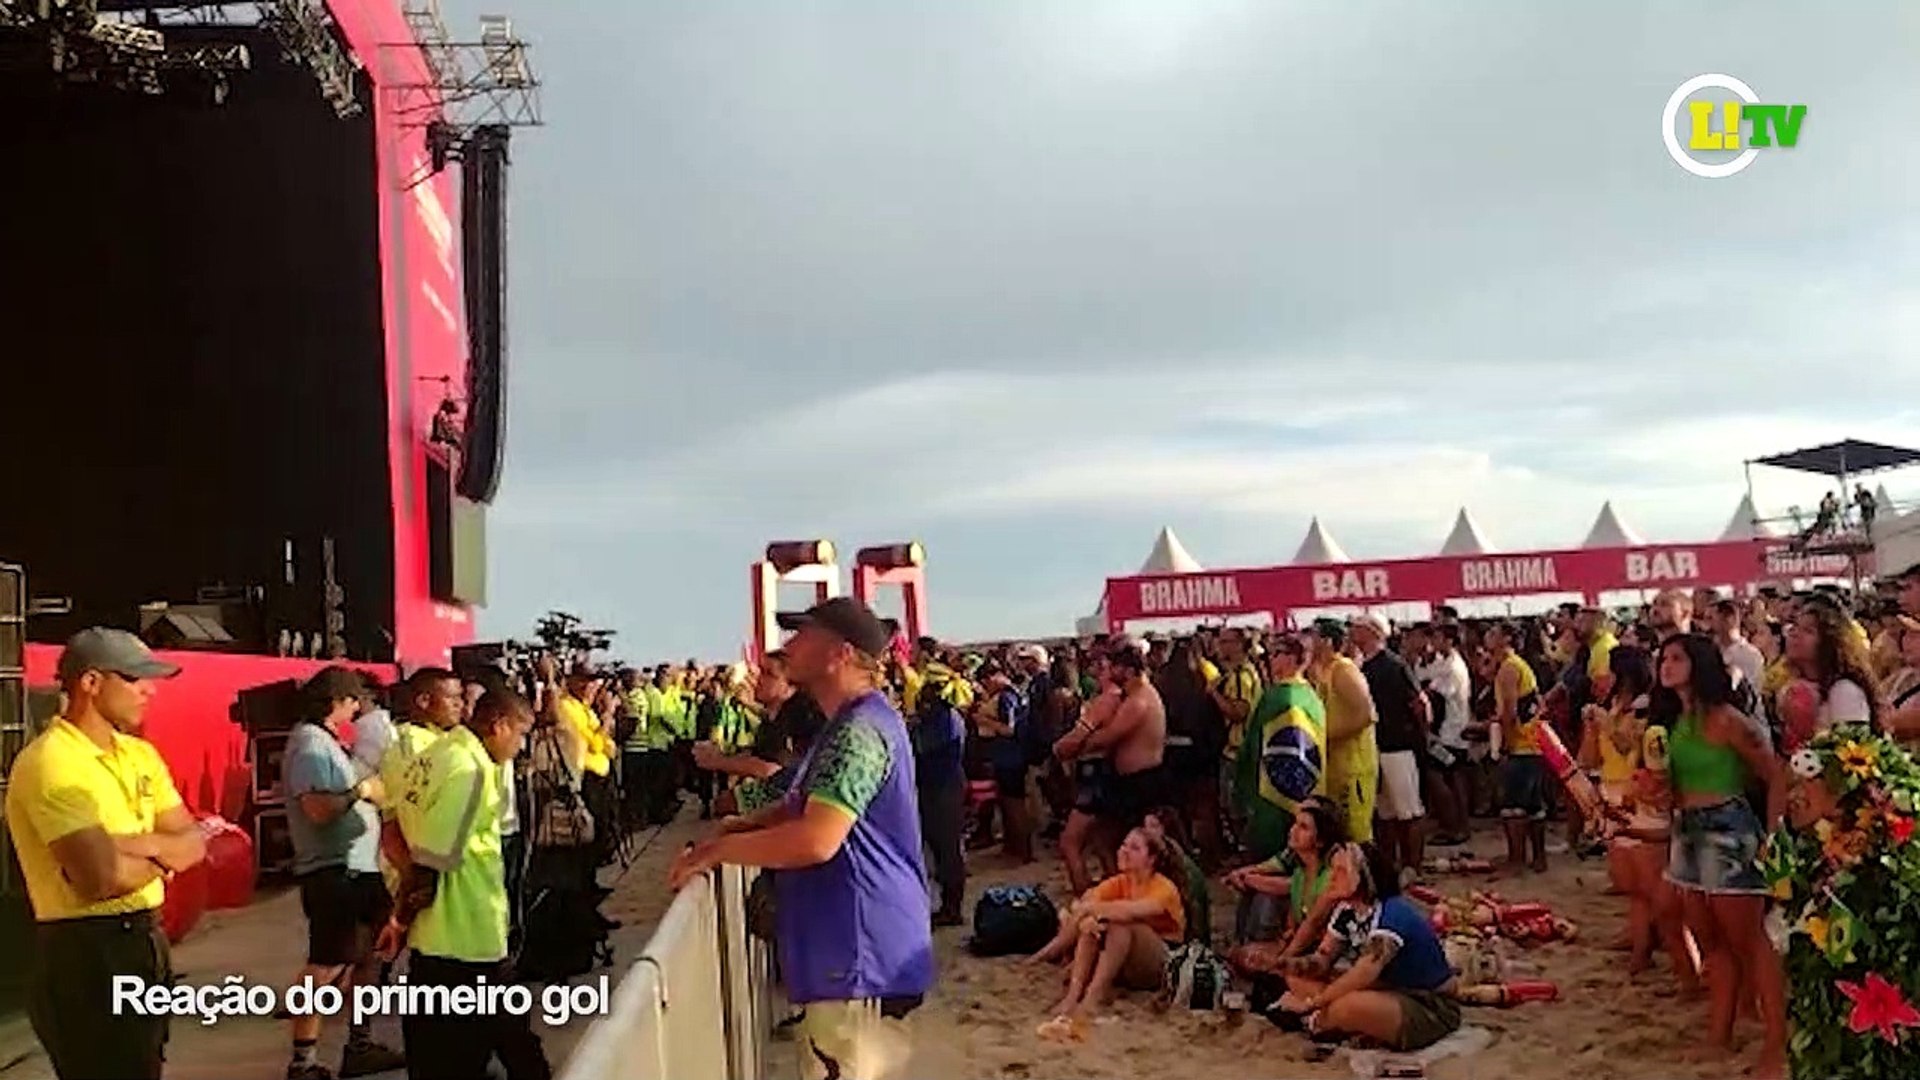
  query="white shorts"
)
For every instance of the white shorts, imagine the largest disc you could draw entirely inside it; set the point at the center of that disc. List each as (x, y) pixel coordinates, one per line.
(1400, 787)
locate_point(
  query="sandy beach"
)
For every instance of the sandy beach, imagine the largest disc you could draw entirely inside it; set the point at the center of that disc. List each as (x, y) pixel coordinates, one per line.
(980, 1020)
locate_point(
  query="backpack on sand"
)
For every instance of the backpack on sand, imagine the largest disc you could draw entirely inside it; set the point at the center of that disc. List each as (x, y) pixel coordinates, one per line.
(1196, 977)
(1012, 920)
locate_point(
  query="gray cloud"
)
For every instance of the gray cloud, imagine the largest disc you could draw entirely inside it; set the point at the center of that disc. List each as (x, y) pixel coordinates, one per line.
(943, 270)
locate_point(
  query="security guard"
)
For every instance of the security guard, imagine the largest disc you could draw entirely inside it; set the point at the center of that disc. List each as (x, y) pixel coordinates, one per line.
(99, 827)
(452, 906)
(432, 702)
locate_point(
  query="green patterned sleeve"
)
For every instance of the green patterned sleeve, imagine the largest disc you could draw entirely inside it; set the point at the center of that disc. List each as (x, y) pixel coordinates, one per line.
(850, 769)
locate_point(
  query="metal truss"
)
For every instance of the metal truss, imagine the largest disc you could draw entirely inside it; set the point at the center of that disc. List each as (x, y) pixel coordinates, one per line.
(469, 84)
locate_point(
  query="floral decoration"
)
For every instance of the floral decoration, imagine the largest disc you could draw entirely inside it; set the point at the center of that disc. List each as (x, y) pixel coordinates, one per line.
(1849, 884)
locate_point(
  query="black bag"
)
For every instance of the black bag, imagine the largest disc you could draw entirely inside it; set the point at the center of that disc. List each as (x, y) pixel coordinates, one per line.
(1012, 920)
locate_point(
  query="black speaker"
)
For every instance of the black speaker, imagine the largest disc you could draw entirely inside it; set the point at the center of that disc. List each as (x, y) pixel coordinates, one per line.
(195, 627)
(272, 841)
(272, 708)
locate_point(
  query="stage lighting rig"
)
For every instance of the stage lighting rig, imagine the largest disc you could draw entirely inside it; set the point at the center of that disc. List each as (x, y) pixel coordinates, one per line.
(305, 33)
(82, 45)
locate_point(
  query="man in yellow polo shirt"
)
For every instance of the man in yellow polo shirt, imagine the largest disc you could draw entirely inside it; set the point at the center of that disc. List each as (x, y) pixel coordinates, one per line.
(452, 906)
(99, 827)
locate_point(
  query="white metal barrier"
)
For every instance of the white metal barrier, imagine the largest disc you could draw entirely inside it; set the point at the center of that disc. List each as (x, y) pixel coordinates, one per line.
(697, 1004)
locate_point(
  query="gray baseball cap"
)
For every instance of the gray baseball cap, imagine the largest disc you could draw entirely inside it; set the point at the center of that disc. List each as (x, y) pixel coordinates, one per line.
(101, 648)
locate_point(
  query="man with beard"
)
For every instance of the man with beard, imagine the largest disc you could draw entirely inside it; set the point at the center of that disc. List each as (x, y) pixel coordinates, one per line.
(853, 931)
(1134, 739)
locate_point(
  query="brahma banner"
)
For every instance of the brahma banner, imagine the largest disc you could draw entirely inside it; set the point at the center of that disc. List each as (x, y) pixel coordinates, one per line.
(1588, 571)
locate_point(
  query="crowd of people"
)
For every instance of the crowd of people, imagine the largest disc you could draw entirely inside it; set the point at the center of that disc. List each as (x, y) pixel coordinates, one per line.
(1307, 772)
(1311, 772)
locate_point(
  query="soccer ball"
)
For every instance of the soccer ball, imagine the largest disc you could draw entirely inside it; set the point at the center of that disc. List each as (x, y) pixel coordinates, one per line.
(1291, 760)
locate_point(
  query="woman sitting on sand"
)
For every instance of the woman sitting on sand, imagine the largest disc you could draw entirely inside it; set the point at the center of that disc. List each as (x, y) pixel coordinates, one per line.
(1317, 852)
(1118, 933)
(1400, 988)
(1399, 991)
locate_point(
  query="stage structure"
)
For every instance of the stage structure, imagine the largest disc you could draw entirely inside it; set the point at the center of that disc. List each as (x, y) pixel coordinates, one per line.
(903, 566)
(789, 562)
(1840, 536)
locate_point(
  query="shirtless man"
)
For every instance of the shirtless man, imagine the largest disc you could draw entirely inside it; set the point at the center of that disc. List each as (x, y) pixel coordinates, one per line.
(1092, 773)
(1136, 742)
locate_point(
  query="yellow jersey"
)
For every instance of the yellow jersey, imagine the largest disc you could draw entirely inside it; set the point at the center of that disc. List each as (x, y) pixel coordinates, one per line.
(1522, 736)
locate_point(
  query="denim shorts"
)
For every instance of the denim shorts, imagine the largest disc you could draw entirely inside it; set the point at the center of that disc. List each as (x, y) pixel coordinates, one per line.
(1523, 787)
(1715, 849)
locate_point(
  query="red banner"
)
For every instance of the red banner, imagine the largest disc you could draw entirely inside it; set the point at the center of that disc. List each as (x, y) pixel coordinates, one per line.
(1437, 580)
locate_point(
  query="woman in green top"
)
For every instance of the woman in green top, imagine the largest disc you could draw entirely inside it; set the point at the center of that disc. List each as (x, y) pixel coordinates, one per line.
(1713, 752)
(1305, 875)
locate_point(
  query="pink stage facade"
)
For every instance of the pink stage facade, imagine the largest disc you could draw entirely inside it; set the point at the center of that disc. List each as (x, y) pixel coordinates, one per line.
(1277, 591)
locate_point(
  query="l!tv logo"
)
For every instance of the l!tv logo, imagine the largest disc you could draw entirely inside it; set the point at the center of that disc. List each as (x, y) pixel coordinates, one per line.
(1730, 119)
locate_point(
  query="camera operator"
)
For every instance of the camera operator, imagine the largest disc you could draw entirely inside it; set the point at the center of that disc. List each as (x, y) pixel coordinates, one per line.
(582, 715)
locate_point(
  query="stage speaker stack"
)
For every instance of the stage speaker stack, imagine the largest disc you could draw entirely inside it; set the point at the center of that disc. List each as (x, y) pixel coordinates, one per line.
(15, 728)
(267, 714)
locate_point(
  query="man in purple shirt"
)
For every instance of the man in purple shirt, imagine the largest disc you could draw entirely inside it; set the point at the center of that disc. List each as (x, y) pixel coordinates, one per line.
(854, 933)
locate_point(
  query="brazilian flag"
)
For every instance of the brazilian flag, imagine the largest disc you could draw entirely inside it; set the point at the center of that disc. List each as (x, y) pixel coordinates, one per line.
(1282, 762)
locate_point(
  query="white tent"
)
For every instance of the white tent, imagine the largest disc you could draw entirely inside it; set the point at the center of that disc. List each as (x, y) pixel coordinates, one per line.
(1745, 524)
(1882, 501)
(1466, 537)
(1319, 547)
(1897, 543)
(1169, 556)
(1609, 531)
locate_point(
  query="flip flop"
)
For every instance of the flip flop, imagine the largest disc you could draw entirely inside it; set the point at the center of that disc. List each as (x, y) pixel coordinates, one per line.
(1064, 1029)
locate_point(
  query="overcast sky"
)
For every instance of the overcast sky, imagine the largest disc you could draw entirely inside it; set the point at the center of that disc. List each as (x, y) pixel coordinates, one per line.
(1026, 281)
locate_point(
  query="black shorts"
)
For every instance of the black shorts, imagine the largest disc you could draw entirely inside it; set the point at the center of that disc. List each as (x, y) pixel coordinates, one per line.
(345, 911)
(1192, 764)
(1131, 796)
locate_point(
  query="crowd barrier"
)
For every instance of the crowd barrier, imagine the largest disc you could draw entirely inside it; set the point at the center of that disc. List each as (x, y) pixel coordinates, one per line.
(697, 1004)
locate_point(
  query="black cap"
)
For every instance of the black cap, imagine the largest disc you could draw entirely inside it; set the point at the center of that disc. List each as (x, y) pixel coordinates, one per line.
(845, 618)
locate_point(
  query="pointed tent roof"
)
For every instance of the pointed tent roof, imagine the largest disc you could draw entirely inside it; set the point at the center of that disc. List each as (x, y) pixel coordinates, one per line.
(1466, 537)
(1319, 547)
(1169, 556)
(1609, 531)
(1882, 500)
(1745, 524)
